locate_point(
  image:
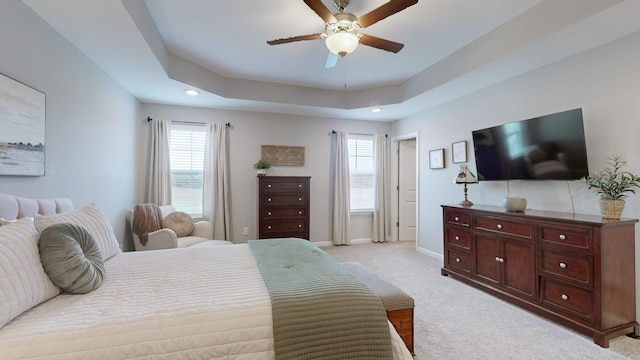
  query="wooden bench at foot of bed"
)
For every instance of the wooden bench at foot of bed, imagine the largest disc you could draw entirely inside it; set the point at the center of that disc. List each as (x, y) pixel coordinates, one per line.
(398, 304)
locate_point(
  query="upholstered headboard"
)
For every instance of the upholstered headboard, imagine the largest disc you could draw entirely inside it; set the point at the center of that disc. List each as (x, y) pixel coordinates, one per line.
(14, 207)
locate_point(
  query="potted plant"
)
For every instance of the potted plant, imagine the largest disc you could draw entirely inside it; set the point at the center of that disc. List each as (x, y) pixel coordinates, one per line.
(262, 167)
(613, 184)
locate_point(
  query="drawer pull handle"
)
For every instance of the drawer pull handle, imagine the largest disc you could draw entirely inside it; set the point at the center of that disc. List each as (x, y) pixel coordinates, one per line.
(457, 237)
(499, 259)
(269, 213)
(300, 212)
(458, 260)
(269, 185)
(269, 199)
(299, 199)
(499, 226)
(299, 226)
(456, 218)
(562, 237)
(563, 265)
(269, 227)
(299, 185)
(564, 297)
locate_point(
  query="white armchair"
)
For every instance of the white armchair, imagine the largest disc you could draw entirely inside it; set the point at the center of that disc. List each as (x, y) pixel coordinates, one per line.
(202, 235)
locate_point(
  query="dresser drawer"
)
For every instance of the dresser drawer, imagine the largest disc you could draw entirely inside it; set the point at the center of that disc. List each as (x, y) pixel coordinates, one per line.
(269, 200)
(457, 218)
(575, 239)
(570, 299)
(283, 212)
(503, 226)
(459, 260)
(289, 186)
(295, 226)
(577, 268)
(458, 237)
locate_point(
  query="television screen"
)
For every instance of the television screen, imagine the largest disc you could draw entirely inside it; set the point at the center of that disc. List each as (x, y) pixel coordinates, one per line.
(550, 147)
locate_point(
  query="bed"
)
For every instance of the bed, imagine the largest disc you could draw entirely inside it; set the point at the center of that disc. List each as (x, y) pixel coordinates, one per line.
(190, 303)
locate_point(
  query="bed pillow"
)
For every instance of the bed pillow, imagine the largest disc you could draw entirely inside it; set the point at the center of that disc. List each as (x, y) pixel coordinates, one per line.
(180, 222)
(90, 217)
(6, 222)
(23, 282)
(71, 258)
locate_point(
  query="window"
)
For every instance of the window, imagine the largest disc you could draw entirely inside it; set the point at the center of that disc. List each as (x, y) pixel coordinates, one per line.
(361, 172)
(186, 151)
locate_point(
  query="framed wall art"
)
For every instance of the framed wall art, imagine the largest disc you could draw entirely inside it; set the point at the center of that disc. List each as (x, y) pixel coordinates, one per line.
(22, 129)
(436, 159)
(459, 152)
(280, 155)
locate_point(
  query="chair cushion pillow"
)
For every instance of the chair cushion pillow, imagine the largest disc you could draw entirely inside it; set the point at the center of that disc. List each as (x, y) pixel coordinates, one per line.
(71, 258)
(23, 282)
(90, 217)
(180, 222)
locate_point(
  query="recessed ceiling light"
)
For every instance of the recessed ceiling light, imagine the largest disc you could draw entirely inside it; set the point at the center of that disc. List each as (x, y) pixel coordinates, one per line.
(376, 109)
(192, 92)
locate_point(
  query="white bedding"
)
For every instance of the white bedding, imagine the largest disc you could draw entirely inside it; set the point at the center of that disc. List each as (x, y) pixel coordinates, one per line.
(191, 303)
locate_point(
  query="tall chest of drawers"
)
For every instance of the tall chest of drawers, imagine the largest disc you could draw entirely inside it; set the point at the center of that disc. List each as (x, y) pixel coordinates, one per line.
(283, 206)
(578, 270)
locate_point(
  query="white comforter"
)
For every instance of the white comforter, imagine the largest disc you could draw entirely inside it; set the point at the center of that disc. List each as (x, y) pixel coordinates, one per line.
(193, 303)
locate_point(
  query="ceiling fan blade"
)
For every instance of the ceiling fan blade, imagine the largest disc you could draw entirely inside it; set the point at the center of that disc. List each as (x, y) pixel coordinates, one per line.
(321, 10)
(381, 44)
(384, 11)
(332, 60)
(294, 38)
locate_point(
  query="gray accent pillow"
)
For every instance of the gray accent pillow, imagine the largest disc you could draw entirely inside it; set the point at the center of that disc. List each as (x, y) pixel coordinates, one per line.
(71, 258)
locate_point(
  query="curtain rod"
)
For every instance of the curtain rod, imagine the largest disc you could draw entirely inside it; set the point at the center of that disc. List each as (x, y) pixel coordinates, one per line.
(186, 122)
(333, 132)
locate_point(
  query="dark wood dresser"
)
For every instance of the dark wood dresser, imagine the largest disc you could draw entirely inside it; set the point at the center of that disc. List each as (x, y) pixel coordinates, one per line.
(283, 209)
(577, 270)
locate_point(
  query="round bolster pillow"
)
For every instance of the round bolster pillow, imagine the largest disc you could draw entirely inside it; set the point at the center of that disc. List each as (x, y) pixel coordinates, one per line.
(180, 222)
(71, 258)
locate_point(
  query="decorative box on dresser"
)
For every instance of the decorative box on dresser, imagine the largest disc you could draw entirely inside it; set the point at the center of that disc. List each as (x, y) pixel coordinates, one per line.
(283, 209)
(577, 270)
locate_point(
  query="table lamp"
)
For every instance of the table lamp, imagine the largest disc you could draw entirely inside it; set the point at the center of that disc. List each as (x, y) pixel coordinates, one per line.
(465, 176)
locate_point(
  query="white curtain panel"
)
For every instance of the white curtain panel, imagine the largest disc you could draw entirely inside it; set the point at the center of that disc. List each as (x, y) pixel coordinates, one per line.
(381, 228)
(215, 192)
(159, 188)
(341, 216)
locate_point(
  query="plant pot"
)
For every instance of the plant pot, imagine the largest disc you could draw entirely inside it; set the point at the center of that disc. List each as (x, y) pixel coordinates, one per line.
(262, 172)
(611, 209)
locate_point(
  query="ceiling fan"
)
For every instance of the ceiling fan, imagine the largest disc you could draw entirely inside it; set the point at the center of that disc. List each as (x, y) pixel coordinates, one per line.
(343, 30)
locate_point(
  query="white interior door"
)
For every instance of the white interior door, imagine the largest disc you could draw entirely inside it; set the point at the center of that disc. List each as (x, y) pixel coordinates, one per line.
(407, 209)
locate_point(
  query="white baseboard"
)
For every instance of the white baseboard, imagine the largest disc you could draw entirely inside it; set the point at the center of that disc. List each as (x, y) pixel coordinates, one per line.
(353, 242)
(434, 255)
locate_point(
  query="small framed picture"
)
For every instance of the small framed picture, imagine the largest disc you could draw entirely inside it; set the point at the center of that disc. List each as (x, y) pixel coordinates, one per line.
(436, 159)
(459, 152)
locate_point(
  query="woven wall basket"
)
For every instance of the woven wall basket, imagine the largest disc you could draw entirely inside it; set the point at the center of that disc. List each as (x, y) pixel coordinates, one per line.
(611, 209)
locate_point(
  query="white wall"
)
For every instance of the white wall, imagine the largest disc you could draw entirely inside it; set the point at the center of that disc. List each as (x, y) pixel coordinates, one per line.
(90, 138)
(604, 82)
(248, 131)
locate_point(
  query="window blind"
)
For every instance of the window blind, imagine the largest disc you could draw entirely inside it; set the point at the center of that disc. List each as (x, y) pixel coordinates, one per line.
(360, 149)
(187, 165)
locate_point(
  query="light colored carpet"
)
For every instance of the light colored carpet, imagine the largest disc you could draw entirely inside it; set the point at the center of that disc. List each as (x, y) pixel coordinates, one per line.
(457, 321)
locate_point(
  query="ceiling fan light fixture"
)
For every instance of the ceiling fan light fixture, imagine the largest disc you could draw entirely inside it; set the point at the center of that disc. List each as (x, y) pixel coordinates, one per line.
(342, 43)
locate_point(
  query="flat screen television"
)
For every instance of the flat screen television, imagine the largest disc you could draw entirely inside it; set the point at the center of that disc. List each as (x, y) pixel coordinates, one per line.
(550, 147)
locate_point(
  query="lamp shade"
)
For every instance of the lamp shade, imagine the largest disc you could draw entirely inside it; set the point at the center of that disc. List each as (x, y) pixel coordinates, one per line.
(342, 43)
(465, 176)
